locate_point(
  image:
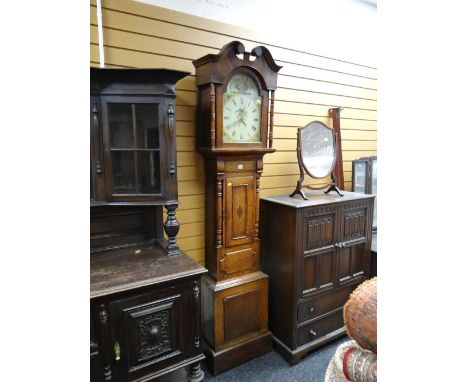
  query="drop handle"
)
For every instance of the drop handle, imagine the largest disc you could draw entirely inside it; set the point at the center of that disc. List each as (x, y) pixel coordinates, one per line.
(117, 351)
(311, 332)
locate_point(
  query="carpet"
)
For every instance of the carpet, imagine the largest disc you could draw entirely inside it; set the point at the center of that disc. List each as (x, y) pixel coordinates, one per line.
(272, 367)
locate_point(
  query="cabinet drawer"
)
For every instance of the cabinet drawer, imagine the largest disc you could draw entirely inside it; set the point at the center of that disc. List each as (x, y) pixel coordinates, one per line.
(315, 307)
(319, 328)
(236, 166)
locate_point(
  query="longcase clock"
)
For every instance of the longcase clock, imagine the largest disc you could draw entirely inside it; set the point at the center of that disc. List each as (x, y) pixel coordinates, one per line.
(235, 108)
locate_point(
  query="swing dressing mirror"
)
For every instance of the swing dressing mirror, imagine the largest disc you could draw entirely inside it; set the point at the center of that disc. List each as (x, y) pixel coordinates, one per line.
(316, 154)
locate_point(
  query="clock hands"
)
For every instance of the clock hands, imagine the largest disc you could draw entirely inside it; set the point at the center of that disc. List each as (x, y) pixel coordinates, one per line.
(241, 115)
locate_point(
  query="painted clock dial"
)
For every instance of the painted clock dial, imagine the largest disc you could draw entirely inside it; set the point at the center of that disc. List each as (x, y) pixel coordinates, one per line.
(241, 110)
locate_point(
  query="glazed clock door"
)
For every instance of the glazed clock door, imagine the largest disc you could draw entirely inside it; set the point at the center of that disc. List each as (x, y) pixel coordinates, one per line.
(242, 110)
(240, 210)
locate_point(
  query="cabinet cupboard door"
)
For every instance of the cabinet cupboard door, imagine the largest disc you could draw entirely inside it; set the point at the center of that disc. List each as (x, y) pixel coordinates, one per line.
(318, 272)
(240, 210)
(317, 268)
(354, 251)
(134, 143)
(148, 333)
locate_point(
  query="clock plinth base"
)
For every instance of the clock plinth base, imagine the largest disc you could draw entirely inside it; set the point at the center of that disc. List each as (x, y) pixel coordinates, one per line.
(236, 355)
(235, 323)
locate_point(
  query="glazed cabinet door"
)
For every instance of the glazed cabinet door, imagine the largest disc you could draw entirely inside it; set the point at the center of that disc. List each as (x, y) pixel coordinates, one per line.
(240, 210)
(134, 143)
(317, 267)
(151, 332)
(354, 250)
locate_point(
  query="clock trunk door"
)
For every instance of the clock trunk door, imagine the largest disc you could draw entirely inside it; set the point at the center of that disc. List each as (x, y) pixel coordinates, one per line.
(240, 210)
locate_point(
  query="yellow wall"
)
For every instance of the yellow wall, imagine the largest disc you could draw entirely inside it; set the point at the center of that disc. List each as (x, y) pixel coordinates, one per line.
(142, 35)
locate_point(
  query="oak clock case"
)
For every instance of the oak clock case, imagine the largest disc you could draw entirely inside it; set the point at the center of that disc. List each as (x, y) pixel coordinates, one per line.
(144, 291)
(235, 108)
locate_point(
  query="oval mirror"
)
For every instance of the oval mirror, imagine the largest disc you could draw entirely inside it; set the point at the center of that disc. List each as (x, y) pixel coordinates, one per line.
(316, 154)
(317, 149)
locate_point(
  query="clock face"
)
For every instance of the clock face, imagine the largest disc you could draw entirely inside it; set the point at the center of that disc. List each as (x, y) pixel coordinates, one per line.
(241, 111)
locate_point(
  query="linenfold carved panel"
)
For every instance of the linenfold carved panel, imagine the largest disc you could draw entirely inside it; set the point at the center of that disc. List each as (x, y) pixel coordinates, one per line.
(354, 224)
(320, 231)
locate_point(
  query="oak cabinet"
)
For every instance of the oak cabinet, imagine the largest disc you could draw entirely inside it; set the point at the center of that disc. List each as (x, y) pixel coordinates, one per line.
(145, 292)
(148, 331)
(315, 252)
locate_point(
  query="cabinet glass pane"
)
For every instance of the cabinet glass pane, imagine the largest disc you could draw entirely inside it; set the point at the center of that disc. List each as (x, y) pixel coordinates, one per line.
(123, 172)
(360, 177)
(149, 172)
(146, 115)
(120, 125)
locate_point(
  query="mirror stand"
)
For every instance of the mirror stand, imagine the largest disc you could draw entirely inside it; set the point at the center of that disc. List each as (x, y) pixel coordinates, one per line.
(331, 186)
(317, 155)
(298, 189)
(334, 187)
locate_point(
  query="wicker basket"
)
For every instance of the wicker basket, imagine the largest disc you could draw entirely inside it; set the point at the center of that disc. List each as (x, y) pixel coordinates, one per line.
(360, 315)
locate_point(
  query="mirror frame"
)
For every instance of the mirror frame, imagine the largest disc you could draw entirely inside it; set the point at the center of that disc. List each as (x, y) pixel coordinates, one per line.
(332, 186)
(300, 156)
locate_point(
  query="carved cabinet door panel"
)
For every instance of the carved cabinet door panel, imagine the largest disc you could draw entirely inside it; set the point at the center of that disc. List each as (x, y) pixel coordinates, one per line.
(354, 258)
(148, 334)
(318, 265)
(240, 210)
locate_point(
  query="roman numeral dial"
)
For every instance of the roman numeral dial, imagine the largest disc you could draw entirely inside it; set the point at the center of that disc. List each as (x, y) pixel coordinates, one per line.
(241, 111)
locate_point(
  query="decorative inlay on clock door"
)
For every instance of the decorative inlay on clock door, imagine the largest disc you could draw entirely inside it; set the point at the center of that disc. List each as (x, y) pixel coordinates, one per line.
(240, 211)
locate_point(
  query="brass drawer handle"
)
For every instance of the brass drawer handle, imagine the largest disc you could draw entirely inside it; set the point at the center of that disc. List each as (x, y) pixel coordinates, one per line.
(117, 351)
(311, 332)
